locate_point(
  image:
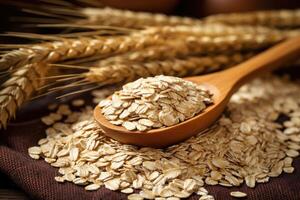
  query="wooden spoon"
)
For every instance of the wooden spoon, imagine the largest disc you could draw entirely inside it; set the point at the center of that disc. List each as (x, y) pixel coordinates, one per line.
(222, 84)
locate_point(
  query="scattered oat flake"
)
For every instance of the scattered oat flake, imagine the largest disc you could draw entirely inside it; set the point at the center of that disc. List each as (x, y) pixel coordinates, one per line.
(112, 184)
(59, 179)
(92, 187)
(225, 154)
(34, 150)
(127, 191)
(135, 197)
(238, 194)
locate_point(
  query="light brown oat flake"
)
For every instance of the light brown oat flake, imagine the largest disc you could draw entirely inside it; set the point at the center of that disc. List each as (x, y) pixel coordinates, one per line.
(206, 197)
(135, 197)
(74, 152)
(292, 153)
(147, 194)
(220, 162)
(238, 194)
(288, 169)
(250, 181)
(127, 191)
(34, 150)
(59, 179)
(112, 184)
(92, 187)
(189, 185)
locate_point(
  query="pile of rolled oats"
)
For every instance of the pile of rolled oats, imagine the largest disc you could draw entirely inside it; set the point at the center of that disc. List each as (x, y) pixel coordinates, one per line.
(155, 102)
(246, 146)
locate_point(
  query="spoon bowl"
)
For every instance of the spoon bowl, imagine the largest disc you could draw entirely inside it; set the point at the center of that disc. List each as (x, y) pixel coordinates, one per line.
(221, 84)
(163, 137)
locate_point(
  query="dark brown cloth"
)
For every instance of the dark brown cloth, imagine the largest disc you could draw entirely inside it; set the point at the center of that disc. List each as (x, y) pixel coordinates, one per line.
(36, 177)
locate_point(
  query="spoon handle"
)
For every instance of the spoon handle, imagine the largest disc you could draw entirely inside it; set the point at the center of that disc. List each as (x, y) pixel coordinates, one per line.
(264, 62)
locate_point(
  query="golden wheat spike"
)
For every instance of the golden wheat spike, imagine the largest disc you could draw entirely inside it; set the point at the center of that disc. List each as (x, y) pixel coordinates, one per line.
(129, 71)
(18, 88)
(274, 18)
(65, 49)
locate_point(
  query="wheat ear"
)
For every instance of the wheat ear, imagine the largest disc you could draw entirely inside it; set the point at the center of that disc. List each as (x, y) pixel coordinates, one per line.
(196, 45)
(134, 19)
(66, 49)
(275, 18)
(18, 88)
(231, 43)
(171, 50)
(191, 65)
(218, 30)
(125, 18)
(28, 63)
(218, 37)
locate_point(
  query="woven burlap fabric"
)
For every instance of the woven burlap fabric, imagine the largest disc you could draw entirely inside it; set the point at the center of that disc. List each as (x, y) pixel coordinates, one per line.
(36, 177)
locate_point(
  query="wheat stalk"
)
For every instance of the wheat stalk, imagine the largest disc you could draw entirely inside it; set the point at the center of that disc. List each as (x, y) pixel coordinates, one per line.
(65, 49)
(218, 37)
(125, 18)
(231, 43)
(71, 48)
(219, 30)
(103, 16)
(275, 18)
(125, 72)
(30, 61)
(186, 45)
(187, 41)
(195, 46)
(171, 50)
(18, 88)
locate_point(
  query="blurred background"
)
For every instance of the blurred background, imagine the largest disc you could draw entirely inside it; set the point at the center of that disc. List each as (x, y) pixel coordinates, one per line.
(200, 8)
(193, 8)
